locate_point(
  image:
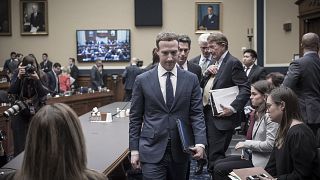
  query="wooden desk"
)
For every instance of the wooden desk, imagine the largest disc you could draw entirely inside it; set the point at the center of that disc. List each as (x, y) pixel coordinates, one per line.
(107, 143)
(80, 103)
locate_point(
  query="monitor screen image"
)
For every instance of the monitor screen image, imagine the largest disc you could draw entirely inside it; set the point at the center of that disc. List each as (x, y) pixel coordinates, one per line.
(110, 45)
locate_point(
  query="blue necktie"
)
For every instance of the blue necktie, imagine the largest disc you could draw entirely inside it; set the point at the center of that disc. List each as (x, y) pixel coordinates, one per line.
(169, 91)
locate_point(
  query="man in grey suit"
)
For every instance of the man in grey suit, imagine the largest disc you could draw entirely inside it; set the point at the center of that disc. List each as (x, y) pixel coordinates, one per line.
(184, 49)
(204, 60)
(160, 96)
(129, 76)
(303, 77)
(96, 75)
(227, 72)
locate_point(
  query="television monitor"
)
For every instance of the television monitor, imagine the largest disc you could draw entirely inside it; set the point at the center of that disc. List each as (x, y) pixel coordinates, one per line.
(108, 45)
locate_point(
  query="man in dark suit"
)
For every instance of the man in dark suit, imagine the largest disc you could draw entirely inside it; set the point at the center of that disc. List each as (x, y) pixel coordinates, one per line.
(160, 96)
(96, 75)
(227, 72)
(129, 76)
(36, 20)
(53, 78)
(253, 71)
(204, 59)
(74, 72)
(184, 49)
(209, 21)
(303, 77)
(46, 64)
(10, 65)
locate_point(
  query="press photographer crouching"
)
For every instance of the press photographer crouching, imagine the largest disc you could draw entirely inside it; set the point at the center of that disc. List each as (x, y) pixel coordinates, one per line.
(29, 91)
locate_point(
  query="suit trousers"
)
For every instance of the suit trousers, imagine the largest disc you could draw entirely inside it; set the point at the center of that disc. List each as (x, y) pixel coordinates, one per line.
(218, 140)
(165, 169)
(224, 166)
(128, 95)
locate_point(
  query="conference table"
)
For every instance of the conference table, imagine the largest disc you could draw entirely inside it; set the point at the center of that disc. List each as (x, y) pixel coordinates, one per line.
(107, 143)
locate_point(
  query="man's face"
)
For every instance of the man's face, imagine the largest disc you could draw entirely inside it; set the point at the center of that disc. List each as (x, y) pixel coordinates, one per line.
(13, 56)
(216, 50)
(57, 70)
(205, 49)
(168, 54)
(183, 52)
(248, 60)
(44, 57)
(210, 10)
(70, 62)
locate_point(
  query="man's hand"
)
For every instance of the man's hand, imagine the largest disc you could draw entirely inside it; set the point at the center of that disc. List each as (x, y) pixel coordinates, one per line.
(135, 162)
(212, 69)
(198, 152)
(226, 111)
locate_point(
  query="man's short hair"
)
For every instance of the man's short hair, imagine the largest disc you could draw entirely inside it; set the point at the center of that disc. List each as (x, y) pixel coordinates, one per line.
(73, 60)
(13, 53)
(210, 7)
(166, 36)
(203, 38)
(185, 39)
(276, 78)
(45, 54)
(55, 65)
(252, 52)
(218, 38)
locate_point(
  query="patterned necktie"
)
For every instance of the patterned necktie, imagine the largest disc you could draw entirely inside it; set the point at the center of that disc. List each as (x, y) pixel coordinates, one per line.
(169, 91)
(204, 66)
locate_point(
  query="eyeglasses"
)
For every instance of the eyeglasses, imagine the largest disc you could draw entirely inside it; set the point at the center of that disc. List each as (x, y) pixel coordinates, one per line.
(204, 48)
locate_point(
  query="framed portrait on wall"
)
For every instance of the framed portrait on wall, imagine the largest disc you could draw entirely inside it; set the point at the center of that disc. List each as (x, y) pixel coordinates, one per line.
(208, 17)
(5, 17)
(34, 17)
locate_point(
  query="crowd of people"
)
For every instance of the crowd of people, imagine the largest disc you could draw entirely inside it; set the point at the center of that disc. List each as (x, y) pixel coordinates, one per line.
(279, 112)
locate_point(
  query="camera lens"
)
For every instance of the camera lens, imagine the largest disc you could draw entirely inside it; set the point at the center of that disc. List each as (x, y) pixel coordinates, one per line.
(11, 111)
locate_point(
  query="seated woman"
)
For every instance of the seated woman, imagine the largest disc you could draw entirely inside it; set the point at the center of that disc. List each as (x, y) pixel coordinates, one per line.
(55, 148)
(260, 135)
(64, 80)
(294, 153)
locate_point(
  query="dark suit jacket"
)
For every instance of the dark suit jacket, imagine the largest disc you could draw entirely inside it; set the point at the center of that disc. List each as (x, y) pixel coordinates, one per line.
(210, 24)
(303, 77)
(37, 21)
(196, 60)
(257, 73)
(195, 69)
(52, 81)
(74, 73)
(96, 78)
(129, 76)
(46, 67)
(10, 66)
(149, 108)
(230, 74)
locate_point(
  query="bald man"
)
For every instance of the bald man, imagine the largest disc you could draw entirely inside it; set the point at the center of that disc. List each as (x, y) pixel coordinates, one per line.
(303, 77)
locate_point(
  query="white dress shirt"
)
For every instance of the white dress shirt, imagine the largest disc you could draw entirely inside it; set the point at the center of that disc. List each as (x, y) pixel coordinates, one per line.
(163, 77)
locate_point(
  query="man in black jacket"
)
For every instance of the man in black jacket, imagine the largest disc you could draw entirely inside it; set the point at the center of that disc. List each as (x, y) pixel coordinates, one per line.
(129, 76)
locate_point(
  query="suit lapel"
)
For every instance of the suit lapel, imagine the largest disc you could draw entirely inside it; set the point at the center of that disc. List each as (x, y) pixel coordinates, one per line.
(221, 69)
(155, 86)
(179, 87)
(254, 67)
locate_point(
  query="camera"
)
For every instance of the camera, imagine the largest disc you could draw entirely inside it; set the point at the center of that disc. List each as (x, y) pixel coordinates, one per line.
(17, 107)
(246, 154)
(30, 69)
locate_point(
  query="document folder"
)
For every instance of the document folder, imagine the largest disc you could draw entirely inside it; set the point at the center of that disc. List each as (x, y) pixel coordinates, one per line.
(186, 136)
(223, 97)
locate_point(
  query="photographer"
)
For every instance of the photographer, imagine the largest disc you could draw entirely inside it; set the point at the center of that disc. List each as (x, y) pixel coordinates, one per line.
(28, 87)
